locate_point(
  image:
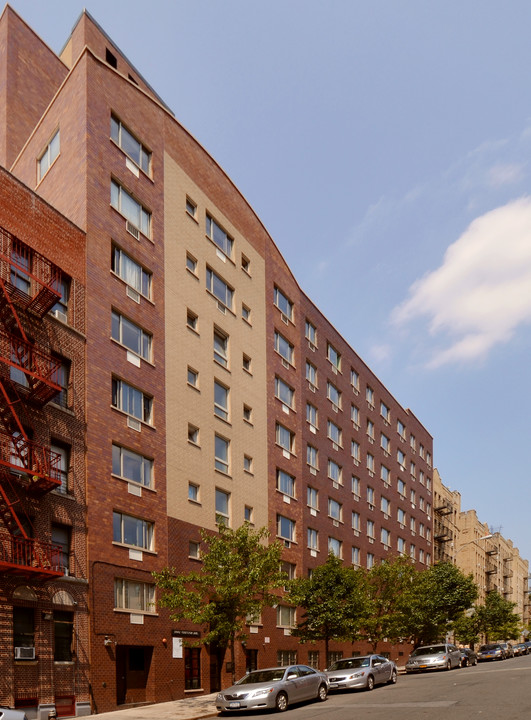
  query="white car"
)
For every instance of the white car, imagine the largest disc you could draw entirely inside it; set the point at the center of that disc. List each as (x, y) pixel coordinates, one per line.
(364, 671)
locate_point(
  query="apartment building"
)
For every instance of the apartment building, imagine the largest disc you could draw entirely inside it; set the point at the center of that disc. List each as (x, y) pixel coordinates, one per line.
(215, 390)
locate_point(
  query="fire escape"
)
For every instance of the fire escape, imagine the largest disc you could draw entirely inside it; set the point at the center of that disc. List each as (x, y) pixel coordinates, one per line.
(29, 288)
(442, 532)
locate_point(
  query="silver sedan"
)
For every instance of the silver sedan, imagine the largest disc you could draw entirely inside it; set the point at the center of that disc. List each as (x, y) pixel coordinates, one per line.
(364, 671)
(273, 688)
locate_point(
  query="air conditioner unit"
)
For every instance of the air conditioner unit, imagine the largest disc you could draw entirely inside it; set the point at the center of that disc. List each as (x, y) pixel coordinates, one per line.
(132, 230)
(59, 315)
(24, 653)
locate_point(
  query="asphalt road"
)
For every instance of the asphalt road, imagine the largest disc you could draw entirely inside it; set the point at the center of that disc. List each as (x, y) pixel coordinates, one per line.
(493, 690)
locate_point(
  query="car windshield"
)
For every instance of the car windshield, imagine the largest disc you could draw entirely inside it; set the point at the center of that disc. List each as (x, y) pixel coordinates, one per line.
(349, 663)
(489, 647)
(262, 676)
(429, 650)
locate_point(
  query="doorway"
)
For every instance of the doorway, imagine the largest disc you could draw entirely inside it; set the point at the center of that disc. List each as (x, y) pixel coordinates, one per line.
(132, 671)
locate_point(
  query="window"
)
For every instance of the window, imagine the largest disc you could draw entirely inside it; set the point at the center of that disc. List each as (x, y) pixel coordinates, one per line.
(313, 539)
(285, 438)
(355, 451)
(413, 469)
(63, 467)
(221, 401)
(285, 528)
(21, 263)
(401, 545)
(246, 363)
(335, 510)
(131, 336)
(334, 432)
(246, 313)
(355, 380)
(385, 412)
(333, 394)
(222, 507)
(132, 401)
(356, 486)
(428, 459)
(61, 377)
(401, 459)
(193, 377)
(412, 442)
(219, 288)
(401, 516)
(283, 304)
(335, 547)
(221, 454)
(61, 538)
(333, 356)
(286, 657)
(385, 506)
(369, 395)
(24, 627)
(134, 596)
(413, 497)
(370, 529)
(131, 209)
(355, 521)
(63, 633)
(60, 309)
(355, 556)
(385, 474)
(412, 551)
(192, 667)
(311, 415)
(191, 208)
(385, 537)
(246, 264)
(370, 496)
(412, 525)
(370, 462)
(401, 486)
(248, 514)
(284, 392)
(422, 530)
(284, 348)
(130, 145)
(248, 414)
(370, 561)
(221, 348)
(312, 498)
(131, 466)
(218, 236)
(313, 659)
(370, 430)
(421, 556)
(422, 477)
(421, 503)
(191, 264)
(285, 617)
(311, 374)
(131, 272)
(355, 415)
(285, 483)
(248, 463)
(335, 472)
(133, 531)
(51, 152)
(311, 457)
(193, 492)
(311, 333)
(401, 429)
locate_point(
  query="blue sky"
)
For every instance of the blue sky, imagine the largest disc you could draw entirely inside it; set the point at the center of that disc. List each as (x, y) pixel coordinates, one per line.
(385, 147)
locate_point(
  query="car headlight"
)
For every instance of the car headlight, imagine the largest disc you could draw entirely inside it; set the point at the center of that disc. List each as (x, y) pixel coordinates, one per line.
(262, 691)
(219, 697)
(356, 675)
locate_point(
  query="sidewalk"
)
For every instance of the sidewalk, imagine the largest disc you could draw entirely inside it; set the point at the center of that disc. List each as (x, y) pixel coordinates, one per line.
(201, 706)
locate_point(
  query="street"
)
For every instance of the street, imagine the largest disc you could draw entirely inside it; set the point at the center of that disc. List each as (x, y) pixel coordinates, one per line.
(491, 689)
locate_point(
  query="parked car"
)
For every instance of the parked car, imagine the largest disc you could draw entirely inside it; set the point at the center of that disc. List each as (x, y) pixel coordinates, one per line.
(468, 657)
(10, 714)
(442, 656)
(491, 651)
(273, 688)
(364, 671)
(520, 649)
(508, 649)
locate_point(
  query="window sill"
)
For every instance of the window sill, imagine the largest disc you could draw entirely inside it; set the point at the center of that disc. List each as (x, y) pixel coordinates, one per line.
(192, 273)
(142, 422)
(134, 547)
(195, 502)
(130, 611)
(133, 482)
(220, 302)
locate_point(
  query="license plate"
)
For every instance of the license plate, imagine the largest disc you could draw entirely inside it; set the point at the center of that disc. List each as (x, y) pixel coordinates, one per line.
(234, 705)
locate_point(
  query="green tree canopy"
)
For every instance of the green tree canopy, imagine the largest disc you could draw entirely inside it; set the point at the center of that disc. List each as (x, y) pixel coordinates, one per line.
(238, 576)
(333, 601)
(497, 619)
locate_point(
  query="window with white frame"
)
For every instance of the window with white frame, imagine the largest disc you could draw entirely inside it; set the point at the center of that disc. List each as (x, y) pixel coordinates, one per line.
(385, 474)
(133, 531)
(422, 530)
(412, 524)
(370, 529)
(412, 551)
(248, 463)
(221, 400)
(313, 539)
(285, 528)
(284, 348)
(193, 434)
(422, 478)
(356, 556)
(385, 443)
(47, 158)
(400, 456)
(335, 510)
(222, 507)
(335, 472)
(385, 505)
(370, 496)
(413, 469)
(285, 483)
(356, 486)
(312, 457)
(285, 438)
(355, 521)
(421, 503)
(401, 429)
(334, 432)
(219, 236)
(194, 549)
(370, 430)
(422, 451)
(311, 374)
(428, 459)
(401, 516)
(60, 308)
(401, 545)
(221, 348)
(191, 208)
(191, 264)
(192, 377)
(132, 401)
(355, 450)
(131, 336)
(130, 208)
(385, 537)
(221, 454)
(132, 466)
(311, 333)
(285, 616)
(370, 561)
(311, 415)
(131, 272)
(412, 442)
(413, 496)
(192, 320)
(334, 357)
(333, 394)
(355, 415)
(369, 395)
(354, 380)
(193, 492)
(283, 303)
(248, 514)
(63, 468)
(370, 462)
(335, 547)
(132, 147)
(221, 290)
(385, 412)
(134, 596)
(421, 556)
(401, 487)
(312, 498)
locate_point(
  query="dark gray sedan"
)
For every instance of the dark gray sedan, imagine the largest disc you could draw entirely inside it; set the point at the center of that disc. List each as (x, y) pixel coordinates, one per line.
(273, 688)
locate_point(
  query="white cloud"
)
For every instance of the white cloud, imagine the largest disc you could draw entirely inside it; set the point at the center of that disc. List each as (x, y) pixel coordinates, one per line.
(482, 291)
(508, 174)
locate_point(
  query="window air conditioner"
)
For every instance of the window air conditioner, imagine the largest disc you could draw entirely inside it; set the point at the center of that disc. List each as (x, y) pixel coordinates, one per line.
(24, 653)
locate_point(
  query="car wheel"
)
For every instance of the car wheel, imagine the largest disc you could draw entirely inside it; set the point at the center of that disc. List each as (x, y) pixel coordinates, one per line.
(281, 702)
(370, 683)
(449, 665)
(393, 677)
(475, 661)
(464, 662)
(322, 693)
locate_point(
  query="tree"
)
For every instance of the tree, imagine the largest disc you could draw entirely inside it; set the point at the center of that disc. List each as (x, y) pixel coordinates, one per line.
(333, 600)
(497, 619)
(441, 594)
(238, 575)
(389, 587)
(466, 628)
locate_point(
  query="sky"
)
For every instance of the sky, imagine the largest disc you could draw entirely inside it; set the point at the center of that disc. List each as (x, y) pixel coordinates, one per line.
(385, 146)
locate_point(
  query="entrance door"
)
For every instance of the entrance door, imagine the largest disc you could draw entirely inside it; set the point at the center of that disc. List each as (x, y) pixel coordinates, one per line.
(132, 672)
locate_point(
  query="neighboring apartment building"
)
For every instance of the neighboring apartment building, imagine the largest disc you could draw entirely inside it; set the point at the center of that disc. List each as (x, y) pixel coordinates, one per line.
(44, 638)
(446, 509)
(215, 390)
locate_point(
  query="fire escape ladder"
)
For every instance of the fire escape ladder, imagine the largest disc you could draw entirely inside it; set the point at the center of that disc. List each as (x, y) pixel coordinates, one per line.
(8, 313)
(8, 512)
(8, 415)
